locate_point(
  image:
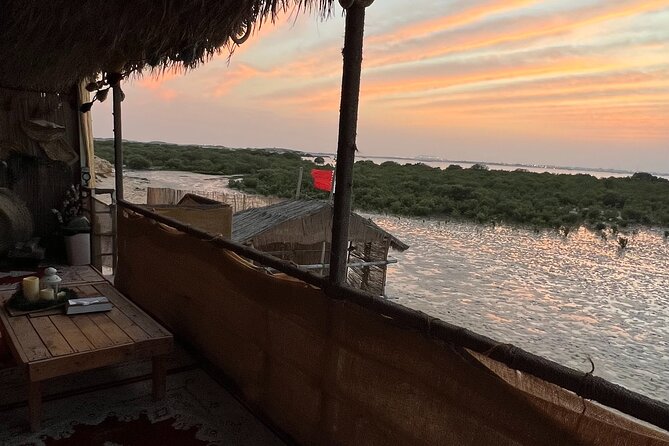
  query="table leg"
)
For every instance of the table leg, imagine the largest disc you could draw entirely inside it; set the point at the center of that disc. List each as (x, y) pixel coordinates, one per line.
(159, 377)
(34, 405)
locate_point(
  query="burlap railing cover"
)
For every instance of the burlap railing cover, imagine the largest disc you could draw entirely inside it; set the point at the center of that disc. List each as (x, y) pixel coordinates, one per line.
(328, 371)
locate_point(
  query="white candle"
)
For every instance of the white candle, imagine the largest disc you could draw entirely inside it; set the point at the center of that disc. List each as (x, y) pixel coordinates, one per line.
(46, 294)
(31, 288)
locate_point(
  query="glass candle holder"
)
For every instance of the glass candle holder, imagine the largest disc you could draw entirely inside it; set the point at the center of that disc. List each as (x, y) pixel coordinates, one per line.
(51, 280)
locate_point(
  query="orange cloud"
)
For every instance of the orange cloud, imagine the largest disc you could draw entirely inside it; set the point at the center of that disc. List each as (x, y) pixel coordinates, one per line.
(321, 100)
(156, 84)
(518, 31)
(484, 74)
(325, 63)
(234, 77)
(566, 83)
(599, 89)
(154, 81)
(532, 81)
(459, 18)
(167, 94)
(627, 114)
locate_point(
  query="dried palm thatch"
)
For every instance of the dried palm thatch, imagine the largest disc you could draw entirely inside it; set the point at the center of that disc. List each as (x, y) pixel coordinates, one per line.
(51, 45)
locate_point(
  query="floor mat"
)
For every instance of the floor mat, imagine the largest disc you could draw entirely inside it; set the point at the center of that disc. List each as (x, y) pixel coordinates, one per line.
(196, 411)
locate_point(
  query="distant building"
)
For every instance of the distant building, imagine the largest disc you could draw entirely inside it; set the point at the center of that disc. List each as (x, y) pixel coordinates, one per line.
(300, 231)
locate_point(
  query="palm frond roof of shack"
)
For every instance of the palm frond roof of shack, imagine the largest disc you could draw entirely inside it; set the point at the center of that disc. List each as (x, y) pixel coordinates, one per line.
(50, 46)
(295, 230)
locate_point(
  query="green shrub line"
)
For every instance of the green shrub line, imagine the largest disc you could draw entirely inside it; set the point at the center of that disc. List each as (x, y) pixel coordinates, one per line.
(541, 200)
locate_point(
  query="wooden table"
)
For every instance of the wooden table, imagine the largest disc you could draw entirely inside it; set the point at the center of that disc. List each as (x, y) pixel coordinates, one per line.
(49, 346)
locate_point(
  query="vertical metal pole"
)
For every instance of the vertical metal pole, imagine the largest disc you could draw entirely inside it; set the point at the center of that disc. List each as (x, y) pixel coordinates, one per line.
(118, 139)
(325, 235)
(333, 184)
(299, 183)
(348, 127)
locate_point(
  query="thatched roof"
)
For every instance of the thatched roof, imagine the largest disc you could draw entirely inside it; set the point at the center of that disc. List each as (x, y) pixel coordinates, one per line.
(269, 223)
(190, 199)
(50, 45)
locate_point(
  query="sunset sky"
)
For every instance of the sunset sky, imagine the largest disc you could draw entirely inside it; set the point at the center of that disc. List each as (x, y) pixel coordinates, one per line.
(565, 82)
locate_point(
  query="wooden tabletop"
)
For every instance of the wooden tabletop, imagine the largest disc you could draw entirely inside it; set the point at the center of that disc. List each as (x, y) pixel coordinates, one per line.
(55, 345)
(71, 275)
(77, 275)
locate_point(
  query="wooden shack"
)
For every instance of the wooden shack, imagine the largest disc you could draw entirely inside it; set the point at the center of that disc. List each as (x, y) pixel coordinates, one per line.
(300, 231)
(200, 212)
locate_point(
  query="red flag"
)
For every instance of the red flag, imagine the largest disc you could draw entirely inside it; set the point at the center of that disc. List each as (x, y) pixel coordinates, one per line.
(322, 179)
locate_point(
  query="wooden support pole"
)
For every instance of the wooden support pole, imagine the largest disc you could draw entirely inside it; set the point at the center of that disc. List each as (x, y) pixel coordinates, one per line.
(299, 184)
(118, 139)
(346, 147)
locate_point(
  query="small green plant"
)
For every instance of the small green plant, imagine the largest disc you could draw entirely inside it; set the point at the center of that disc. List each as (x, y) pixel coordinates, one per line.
(71, 206)
(70, 215)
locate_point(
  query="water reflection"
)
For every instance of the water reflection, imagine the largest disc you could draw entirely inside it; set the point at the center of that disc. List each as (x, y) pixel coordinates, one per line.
(562, 298)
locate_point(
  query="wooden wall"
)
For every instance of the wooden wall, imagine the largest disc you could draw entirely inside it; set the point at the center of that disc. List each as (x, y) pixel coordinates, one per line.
(24, 167)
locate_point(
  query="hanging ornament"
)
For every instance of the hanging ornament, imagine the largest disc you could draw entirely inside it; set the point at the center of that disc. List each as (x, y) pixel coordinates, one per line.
(243, 33)
(101, 95)
(86, 107)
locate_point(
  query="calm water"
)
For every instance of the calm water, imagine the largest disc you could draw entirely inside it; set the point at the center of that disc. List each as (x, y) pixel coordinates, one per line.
(493, 166)
(564, 299)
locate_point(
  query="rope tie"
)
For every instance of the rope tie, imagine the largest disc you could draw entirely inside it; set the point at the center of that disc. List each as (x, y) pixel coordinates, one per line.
(587, 380)
(586, 383)
(218, 236)
(509, 348)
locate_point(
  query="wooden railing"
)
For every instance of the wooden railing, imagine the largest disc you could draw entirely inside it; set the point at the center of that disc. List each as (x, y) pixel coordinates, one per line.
(102, 216)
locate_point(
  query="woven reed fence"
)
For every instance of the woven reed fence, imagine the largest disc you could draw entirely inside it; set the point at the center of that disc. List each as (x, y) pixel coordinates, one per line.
(237, 201)
(332, 365)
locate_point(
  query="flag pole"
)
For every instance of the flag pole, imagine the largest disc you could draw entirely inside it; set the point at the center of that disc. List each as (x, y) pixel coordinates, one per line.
(325, 238)
(333, 182)
(299, 184)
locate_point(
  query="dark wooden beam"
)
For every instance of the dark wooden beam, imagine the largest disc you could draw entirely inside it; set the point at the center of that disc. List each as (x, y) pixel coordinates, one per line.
(118, 139)
(346, 147)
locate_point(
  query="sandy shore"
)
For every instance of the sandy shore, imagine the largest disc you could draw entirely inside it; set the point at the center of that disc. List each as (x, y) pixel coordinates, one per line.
(135, 183)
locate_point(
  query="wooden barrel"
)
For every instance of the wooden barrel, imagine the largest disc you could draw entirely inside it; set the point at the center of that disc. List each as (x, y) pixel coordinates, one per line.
(16, 222)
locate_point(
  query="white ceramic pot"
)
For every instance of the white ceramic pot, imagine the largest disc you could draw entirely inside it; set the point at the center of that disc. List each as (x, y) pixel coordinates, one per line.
(78, 248)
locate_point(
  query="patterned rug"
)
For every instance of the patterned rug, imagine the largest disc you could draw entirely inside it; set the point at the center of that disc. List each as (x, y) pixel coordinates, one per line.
(196, 411)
